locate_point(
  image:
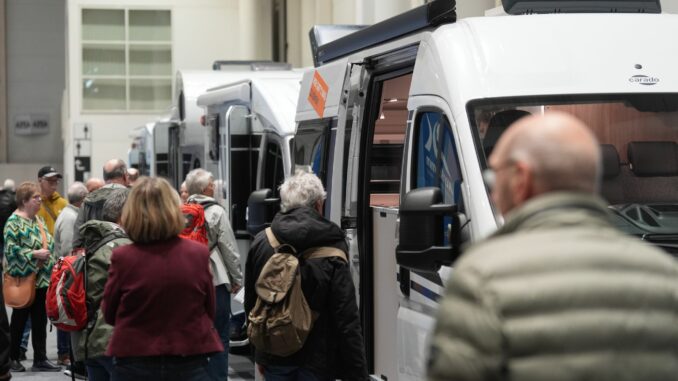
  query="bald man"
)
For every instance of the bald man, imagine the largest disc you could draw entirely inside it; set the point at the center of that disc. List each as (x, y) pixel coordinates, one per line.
(94, 183)
(557, 293)
(115, 177)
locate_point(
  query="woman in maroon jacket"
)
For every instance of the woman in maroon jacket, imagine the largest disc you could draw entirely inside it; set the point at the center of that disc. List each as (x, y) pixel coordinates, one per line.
(159, 296)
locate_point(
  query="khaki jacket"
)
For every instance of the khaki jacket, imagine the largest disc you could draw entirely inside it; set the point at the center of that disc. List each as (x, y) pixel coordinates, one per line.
(224, 256)
(559, 294)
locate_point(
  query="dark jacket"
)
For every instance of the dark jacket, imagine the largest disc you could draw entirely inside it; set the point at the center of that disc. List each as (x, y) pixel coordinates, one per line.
(160, 298)
(7, 207)
(334, 346)
(559, 294)
(99, 239)
(92, 208)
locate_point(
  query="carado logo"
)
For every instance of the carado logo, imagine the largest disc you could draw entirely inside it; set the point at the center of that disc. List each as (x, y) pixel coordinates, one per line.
(644, 80)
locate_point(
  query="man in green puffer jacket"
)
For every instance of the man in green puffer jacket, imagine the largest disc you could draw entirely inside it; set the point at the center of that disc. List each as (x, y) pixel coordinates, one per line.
(99, 239)
(557, 293)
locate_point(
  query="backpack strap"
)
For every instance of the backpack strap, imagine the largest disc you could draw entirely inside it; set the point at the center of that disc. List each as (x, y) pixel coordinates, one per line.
(272, 240)
(324, 252)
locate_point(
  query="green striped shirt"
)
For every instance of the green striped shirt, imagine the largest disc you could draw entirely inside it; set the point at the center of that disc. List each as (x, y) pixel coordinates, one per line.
(22, 236)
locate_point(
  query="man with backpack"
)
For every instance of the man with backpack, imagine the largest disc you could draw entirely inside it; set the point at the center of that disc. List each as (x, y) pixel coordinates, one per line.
(99, 239)
(224, 258)
(333, 348)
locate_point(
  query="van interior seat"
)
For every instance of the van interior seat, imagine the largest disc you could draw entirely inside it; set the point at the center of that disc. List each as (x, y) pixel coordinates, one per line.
(497, 125)
(612, 185)
(651, 159)
(654, 165)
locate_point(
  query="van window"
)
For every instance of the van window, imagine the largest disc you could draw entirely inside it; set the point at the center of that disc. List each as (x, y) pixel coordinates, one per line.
(638, 136)
(274, 174)
(436, 157)
(311, 143)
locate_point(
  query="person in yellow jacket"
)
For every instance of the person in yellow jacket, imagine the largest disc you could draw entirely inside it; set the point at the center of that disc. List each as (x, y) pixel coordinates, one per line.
(52, 202)
(52, 205)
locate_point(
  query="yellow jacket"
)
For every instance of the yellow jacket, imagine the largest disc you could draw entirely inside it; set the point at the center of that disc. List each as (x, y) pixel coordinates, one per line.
(55, 203)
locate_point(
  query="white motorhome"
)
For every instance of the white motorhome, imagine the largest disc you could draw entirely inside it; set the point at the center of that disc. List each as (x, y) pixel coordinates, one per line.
(398, 120)
(150, 148)
(186, 135)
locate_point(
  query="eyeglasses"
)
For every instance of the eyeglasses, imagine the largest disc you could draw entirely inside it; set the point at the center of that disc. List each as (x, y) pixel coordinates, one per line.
(36, 197)
(490, 174)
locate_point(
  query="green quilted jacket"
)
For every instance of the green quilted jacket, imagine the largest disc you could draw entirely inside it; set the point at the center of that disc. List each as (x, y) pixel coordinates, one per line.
(559, 294)
(22, 236)
(99, 239)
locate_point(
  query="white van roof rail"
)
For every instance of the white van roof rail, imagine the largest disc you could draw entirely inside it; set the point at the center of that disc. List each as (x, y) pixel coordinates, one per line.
(429, 15)
(520, 7)
(250, 65)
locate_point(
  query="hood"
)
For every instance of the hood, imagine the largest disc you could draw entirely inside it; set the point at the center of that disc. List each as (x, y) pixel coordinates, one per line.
(94, 231)
(304, 228)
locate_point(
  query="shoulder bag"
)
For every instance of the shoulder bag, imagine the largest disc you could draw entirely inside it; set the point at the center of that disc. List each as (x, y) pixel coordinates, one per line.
(19, 292)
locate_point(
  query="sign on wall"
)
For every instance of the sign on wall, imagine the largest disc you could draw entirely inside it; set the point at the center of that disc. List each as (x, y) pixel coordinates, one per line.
(31, 124)
(82, 150)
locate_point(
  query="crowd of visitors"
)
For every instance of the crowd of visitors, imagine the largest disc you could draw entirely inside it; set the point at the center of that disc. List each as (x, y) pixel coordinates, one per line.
(159, 298)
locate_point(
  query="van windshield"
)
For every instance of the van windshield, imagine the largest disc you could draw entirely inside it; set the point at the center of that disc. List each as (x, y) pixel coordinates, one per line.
(638, 134)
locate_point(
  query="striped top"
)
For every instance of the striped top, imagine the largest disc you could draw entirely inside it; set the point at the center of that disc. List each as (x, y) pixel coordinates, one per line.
(22, 236)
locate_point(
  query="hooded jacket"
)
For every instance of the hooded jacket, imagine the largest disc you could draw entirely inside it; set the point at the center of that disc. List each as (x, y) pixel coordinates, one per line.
(92, 208)
(99, 239)
(334, 346)
(559, 294)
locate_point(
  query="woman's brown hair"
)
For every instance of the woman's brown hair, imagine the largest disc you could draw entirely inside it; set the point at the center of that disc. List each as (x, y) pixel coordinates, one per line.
(24, 192)
(152, 211)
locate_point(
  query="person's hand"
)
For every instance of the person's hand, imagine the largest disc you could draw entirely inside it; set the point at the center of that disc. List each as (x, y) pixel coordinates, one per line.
(41, 254)
(235, 288)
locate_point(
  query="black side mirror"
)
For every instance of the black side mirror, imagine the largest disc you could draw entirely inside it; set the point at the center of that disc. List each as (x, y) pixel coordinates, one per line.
(261, 208)
(422, 231)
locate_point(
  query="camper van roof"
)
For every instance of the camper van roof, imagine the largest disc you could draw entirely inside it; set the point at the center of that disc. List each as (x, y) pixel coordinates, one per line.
(493, 58)
(519, 7)
(429, 15)
(272, 98)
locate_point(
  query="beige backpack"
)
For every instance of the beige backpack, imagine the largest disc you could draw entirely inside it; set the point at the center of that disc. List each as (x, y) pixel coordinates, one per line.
(281, 318)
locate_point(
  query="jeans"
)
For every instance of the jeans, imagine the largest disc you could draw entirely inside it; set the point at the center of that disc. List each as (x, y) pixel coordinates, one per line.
(63, 342)
(218, 365)
(292, 373)
(38, 316)
(100, 369)
(161, 368)
(26, 335)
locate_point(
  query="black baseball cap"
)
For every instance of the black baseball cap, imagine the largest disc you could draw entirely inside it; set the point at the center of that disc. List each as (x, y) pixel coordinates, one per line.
(48, 171)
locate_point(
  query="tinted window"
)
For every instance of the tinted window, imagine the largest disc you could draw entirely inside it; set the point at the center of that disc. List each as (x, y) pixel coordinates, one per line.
(310, 147)
(274, 174)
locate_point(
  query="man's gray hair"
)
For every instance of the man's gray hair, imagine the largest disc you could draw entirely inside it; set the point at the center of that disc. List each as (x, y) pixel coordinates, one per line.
(302, 189)
(114, 203)
(76, 192)
(197, 180)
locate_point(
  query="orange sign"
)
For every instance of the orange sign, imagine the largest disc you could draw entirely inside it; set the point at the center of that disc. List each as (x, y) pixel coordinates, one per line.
(318, 93)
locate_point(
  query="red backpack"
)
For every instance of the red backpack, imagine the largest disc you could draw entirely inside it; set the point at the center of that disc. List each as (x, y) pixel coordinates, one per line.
(196, 225)
(66, 303)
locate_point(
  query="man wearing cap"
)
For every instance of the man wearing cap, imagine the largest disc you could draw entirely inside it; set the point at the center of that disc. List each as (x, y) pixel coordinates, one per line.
(52, 205)
(52, 202)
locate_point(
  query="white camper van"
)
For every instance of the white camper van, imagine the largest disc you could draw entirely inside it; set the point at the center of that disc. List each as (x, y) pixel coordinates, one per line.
(186, 135)
(398, 120)
(151, 149)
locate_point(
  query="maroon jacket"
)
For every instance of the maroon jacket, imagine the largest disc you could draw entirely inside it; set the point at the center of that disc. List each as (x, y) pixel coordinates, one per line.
(160, 298)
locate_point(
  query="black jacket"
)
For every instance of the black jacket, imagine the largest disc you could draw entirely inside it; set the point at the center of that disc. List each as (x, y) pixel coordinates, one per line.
(7, 207)
(334, 346)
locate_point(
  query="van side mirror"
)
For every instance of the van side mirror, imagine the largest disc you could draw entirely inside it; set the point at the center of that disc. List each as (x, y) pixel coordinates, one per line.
(422, 231)
(262, 206)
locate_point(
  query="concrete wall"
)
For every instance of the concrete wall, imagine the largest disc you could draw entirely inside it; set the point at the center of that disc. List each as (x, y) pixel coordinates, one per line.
(35, 76)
